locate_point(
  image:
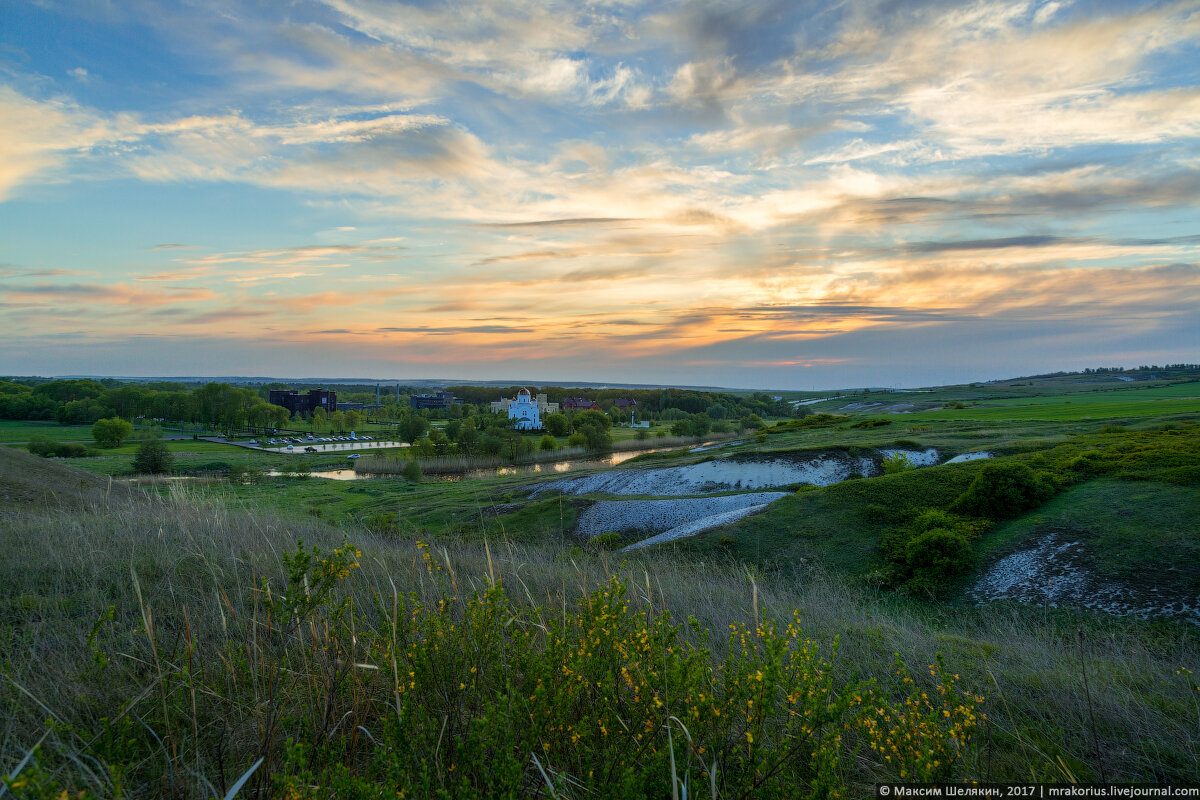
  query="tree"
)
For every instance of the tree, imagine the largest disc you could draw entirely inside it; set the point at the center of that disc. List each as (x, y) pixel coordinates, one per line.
(556, 424)
(337, 420)
(319, 418)
(593, 418)
(353, 420)
(153, 458)
(548, 443)
(111, 432)
(412, 427)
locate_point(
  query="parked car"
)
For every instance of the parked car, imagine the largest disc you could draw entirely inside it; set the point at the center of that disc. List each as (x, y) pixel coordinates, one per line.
(354, 455)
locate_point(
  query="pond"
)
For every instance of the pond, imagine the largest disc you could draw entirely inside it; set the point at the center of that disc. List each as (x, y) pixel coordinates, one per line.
(547, 468)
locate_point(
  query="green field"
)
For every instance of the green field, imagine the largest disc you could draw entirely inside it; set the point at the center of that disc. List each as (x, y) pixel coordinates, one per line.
(17, 431)
(1055, 409)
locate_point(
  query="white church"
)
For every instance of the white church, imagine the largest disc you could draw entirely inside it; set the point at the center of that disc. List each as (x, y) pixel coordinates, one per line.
(526, 410)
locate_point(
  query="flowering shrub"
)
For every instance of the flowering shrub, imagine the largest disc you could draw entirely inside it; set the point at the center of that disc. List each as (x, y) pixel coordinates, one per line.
(615, 699)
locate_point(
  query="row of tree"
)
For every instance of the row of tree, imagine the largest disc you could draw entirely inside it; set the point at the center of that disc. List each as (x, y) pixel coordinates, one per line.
(221, 405)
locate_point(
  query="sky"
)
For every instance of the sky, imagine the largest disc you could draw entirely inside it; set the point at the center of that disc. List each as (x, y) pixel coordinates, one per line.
(789, 195)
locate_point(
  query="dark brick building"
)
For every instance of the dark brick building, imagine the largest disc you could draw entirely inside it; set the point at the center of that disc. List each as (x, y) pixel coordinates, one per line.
(302, 405)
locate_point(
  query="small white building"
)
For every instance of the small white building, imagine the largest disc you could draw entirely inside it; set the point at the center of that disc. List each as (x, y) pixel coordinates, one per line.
(526, 411)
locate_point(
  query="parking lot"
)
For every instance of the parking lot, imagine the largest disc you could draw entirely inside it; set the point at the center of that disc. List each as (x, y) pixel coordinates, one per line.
(321, 444)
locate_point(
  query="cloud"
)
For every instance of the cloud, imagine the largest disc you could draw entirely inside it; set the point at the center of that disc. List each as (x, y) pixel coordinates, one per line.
(115, 295)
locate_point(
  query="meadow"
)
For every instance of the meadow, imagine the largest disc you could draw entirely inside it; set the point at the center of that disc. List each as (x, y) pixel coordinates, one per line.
(301, 637)
(167, 644)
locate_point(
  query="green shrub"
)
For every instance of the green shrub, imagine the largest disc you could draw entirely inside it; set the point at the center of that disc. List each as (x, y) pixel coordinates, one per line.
(41, 445)
(1003, 490)
(1182, 476)
(1090, 463)
(547, 443)
(485, 697)
(934, 557)
(384, 522)
(153, 458)
(246, 473)
(896, 462)
(871, 423)
(46, 447)
(608, 541)
(411, 471)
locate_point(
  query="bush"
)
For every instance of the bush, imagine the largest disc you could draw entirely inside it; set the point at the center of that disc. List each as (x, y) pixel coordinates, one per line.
(245, 473)
(1003, 490)
(935, 557)
(45, 447)
(607, 541)
(896, 462)
(382, 522)
(548, 443)
(412, 472)
(496, 698)
(153, 458)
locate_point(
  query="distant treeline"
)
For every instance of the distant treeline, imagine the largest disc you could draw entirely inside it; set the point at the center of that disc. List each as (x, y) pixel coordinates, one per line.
(1172, 368)
(83, 401)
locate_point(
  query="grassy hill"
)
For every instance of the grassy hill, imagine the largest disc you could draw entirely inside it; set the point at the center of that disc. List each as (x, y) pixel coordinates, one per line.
(165, 644)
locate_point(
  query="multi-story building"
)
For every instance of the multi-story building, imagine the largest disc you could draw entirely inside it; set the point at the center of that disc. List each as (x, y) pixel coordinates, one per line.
(302, 405)
(439, 400)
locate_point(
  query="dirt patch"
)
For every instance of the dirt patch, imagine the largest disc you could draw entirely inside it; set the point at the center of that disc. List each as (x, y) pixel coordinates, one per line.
(1054, 573)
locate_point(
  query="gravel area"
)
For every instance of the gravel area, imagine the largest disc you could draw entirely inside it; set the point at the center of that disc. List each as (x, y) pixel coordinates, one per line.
(919, 458)
(711, 477)
(697, 526)
(970, 457)
(614, 516)
(1053, 573)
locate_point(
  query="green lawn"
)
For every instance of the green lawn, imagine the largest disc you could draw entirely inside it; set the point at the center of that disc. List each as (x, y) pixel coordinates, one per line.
(1071, 407)
(20, 431)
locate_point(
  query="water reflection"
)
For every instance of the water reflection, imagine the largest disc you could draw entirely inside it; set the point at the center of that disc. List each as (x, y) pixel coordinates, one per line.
(517, 469)
(551, 467)
(332, 474)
